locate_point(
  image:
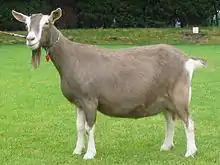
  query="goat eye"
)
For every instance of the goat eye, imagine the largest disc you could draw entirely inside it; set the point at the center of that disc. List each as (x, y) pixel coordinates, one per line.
(47, 23)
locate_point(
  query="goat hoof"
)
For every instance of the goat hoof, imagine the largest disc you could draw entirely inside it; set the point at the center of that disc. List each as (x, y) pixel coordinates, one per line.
(166, 147)
(191, 152)
(78, 151)
(89, 155)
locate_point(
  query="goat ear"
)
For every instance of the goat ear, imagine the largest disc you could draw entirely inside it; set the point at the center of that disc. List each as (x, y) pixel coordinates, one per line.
(55, 15)
(19, 16)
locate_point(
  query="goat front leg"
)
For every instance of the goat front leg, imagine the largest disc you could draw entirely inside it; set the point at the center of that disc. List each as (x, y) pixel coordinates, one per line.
(169, 132)
(80, 124)
(91, 149)
(90, 116)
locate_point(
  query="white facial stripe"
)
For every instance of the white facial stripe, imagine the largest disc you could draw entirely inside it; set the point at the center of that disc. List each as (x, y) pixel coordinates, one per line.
(43, 20)
(28, 23)
(33, 39)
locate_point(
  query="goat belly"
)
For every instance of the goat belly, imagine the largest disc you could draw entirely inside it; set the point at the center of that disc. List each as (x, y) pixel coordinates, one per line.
(138, 111)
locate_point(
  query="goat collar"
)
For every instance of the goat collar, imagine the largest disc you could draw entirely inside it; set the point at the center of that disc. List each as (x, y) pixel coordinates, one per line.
(48, 48)
(58, 38)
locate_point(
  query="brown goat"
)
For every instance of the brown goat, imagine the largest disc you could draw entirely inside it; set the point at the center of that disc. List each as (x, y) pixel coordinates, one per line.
(128, 83)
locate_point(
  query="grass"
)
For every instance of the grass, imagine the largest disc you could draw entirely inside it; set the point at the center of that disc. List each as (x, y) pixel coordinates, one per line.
(134, 36)
(37, 124)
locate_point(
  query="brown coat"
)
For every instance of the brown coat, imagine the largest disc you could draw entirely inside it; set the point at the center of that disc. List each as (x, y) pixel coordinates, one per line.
(132, 82)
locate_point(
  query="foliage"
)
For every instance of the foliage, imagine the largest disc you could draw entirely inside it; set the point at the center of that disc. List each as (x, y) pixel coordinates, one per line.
(7, 22)
(114, 13)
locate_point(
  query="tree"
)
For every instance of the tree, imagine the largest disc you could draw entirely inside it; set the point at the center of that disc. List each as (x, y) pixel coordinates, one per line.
(68, 7)
(114, 13)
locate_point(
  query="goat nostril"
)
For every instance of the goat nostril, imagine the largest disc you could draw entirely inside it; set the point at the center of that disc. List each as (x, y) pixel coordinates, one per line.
(32, 38)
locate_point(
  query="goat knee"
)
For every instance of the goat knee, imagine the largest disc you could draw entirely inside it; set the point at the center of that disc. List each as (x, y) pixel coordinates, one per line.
(80, 120)
(190, 125)
(80, 127)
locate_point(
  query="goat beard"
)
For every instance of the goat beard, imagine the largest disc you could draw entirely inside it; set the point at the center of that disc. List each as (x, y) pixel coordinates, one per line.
(36, 57)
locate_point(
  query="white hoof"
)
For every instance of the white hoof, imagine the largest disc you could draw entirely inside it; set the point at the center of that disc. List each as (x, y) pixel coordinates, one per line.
(89, 155)
(166, 147)
(78, 151)
(191, 152)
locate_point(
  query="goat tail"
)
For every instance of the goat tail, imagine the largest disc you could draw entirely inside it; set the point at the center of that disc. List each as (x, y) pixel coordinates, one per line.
(198, 62)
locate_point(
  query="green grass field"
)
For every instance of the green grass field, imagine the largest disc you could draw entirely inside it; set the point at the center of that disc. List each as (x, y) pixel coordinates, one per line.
(37, 124)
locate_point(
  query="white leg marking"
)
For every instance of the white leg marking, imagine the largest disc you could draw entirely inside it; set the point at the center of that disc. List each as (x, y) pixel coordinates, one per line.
(190, 136)
(169, 133)
(190, 65)
(190, 94)
(87, 128)
(80, 124)
(28, 23)
(91, 150)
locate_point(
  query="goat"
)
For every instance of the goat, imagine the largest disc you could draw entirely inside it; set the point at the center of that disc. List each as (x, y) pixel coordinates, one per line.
(133, 82)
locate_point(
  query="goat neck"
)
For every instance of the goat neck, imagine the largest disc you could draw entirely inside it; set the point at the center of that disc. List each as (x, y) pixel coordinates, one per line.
(55, 48)
(53, 39)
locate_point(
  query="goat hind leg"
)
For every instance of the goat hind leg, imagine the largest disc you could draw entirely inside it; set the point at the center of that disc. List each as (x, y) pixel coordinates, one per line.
(190, 136)
(190, 132)
(169, 131)
(181, 97)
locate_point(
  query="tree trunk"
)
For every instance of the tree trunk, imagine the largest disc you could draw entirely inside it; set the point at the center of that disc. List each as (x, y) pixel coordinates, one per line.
(216, 13)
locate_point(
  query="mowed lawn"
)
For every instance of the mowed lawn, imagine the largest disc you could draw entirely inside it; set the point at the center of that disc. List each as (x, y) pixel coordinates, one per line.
(37, 124)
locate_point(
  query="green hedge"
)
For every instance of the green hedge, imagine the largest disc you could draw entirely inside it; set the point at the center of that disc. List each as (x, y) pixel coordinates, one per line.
(113, 13)
(138, 36)
(7, 22)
